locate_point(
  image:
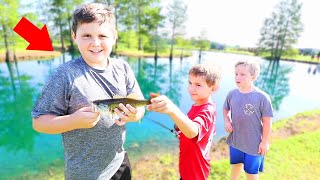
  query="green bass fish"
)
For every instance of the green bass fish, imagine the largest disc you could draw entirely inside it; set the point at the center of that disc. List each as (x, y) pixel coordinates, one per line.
(106, 106)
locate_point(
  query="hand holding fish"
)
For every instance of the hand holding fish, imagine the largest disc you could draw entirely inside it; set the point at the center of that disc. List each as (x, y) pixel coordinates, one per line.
(85, 118)
(126, 114)
(121, 110)
(162, 104)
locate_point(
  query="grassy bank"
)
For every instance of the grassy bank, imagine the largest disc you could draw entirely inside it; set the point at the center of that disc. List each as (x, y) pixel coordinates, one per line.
(296, 58)
(294, 154)
(22, 55)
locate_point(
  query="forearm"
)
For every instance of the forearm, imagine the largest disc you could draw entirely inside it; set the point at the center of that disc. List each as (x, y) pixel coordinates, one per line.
(52, 124)
(225, 116)
(186, 126)
(266, 129)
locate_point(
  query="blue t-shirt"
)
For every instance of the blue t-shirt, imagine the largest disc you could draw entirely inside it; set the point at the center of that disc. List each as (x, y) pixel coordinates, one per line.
(94, 153)
(247, 110)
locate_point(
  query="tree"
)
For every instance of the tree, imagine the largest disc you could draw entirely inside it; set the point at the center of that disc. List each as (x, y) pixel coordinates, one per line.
(142, 16)
(58, 12)
(202, 43)
(8, 17)
(61, 13)
(182, 44)
(282, 30)
(177, 17)
(70, 5)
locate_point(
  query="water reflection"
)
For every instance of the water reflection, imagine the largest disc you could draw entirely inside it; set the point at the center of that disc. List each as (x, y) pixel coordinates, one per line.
(16, 96)
(314, 69)
(158, 77)
(274, 79)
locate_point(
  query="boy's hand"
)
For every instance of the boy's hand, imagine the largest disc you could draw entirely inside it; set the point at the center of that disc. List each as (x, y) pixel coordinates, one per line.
(228, 126)
(263, 148)
(161, 104)
(85, 118)
(126, 114)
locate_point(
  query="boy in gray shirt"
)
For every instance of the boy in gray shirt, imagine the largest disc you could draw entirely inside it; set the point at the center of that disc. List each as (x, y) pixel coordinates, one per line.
(250, 124)
(93, 144)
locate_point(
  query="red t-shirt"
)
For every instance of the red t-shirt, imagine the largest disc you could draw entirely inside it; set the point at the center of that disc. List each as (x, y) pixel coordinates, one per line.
(194, 161)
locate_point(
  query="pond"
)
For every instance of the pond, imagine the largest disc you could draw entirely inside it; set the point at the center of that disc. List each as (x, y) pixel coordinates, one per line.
(293, 87)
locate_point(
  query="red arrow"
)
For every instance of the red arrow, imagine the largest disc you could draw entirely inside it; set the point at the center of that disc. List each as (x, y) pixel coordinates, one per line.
(38, 39)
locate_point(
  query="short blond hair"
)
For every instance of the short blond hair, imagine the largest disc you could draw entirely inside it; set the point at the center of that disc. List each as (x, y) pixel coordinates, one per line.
(94, 12)
(254, 67)
(209, 72)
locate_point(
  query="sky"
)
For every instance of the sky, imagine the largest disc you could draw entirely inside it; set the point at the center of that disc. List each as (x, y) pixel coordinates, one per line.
(238, 22)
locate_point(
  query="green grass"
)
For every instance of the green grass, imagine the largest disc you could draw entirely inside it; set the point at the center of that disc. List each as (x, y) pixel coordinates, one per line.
(302, 115)
(297, 157)
(301, 58)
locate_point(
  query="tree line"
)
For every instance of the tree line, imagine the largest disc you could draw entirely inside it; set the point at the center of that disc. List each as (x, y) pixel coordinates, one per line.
(145, 25)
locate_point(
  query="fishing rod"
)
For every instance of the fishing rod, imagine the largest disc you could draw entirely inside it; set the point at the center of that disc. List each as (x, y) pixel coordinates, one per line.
(173, 131)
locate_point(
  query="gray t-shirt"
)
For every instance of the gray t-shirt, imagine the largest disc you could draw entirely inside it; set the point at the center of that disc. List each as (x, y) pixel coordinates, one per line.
(247, 110)
(94, 153)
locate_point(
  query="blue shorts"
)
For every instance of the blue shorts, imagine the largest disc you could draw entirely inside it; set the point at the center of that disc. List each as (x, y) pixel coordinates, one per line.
(252, 164)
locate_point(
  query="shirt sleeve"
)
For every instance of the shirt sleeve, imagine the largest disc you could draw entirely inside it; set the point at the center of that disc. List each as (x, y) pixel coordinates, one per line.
(205, 121)
(132, 83)
(226, 104)
(54, 96)
(266, 109)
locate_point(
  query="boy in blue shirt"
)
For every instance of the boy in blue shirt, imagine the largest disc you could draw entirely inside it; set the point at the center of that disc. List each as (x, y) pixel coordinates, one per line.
(250, 124)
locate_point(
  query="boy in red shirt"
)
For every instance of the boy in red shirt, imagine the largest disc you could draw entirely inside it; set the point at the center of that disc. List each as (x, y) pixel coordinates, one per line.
(198, 127)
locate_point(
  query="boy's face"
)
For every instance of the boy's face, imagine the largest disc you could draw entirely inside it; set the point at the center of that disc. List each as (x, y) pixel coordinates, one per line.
(198, 89)
(95, 42)
(243, 77)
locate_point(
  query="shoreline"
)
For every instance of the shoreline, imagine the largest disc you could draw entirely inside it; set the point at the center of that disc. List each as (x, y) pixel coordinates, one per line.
(25, 55)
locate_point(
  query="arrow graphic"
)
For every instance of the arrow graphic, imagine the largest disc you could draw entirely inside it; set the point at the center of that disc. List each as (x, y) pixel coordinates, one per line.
(38, 39)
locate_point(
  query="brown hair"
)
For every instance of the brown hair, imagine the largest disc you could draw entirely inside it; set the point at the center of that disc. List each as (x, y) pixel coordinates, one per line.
(93, 12)
(210, 73)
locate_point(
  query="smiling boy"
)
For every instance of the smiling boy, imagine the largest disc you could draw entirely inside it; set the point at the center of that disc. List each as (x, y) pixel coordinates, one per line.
(93, 143)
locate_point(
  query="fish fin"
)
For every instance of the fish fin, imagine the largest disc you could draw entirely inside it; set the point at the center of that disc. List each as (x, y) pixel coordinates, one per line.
(154, 95)
(117, 97)
(134, 96)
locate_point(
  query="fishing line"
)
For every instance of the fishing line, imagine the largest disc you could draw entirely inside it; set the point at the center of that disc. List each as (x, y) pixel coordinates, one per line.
(173, 131)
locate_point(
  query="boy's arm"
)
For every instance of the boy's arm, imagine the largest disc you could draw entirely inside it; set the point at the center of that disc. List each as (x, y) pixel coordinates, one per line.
(52, 124)
(266, 133)
(227, 121)
(187, 127)
(164, 105)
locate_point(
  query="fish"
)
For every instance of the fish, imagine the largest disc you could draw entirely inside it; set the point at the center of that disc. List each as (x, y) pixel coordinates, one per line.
(106, 107)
